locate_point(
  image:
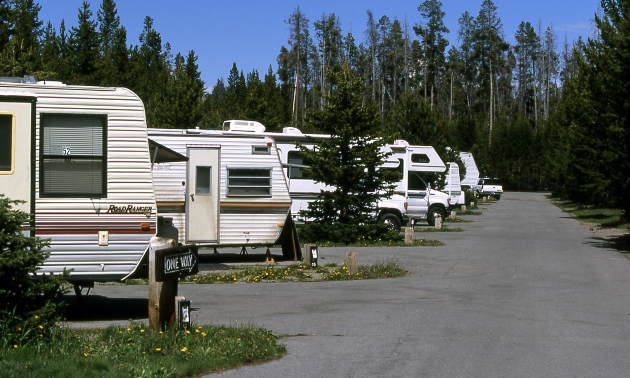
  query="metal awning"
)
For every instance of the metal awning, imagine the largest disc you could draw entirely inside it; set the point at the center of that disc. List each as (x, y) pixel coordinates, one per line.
(163, 154)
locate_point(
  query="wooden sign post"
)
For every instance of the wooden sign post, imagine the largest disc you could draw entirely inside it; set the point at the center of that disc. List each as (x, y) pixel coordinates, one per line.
(166, 265)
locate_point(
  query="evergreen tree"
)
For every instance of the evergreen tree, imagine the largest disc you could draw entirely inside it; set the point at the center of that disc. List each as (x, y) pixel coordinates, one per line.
(24, 30)
(84, 44)
(150, 69)
(109, 36)
(182, 106)
(433, 43)
(598, 108)
(527, 51)
(347, 162)
(488, 52)
(25, 303)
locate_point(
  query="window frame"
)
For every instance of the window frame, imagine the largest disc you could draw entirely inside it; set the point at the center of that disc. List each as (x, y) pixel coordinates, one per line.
(43, 193)
(10, 145)
(230, 186)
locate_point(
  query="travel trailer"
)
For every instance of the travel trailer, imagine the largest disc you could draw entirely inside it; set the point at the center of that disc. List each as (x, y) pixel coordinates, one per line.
(410, 199)
(472, 173)
(452, 185)
(231, 192)
(79, 159)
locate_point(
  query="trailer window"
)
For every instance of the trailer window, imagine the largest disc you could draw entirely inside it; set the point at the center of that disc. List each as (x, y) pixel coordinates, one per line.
(420, 158)
(6, 143)
(249, 182)
(72, 149)
(297, 165)
(261, 150)
(203, 180)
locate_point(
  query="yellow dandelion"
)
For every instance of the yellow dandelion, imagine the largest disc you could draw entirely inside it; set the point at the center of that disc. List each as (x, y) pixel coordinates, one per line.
(158, 349)
(187, 332)
(19, 328)
(36, 317)
(85, 354)
(161, 333)
(197, 331)
(203, 334)
(128, 329)
(184, 350)
(141, 331)
(40, 327)
(15, 346)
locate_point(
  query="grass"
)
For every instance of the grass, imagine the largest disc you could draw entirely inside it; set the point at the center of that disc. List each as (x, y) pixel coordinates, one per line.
(136, 351)
(367, 242)
(297, 272)
(609, 218)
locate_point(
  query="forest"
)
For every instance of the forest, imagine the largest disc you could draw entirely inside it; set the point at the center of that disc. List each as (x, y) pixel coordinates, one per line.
(541, 114)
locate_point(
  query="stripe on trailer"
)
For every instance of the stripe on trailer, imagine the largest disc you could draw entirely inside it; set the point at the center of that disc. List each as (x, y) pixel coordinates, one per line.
(41, 231)
(254, 208)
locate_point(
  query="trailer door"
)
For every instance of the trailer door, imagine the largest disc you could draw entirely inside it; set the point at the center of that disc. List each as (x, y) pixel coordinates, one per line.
(16, 150)
(202, 204)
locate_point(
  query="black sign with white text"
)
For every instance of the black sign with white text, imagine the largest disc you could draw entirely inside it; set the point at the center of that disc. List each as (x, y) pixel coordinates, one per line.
(172, 263)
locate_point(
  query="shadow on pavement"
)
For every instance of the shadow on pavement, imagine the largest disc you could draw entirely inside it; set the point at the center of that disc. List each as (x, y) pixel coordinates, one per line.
(224, 258)
(98, 307)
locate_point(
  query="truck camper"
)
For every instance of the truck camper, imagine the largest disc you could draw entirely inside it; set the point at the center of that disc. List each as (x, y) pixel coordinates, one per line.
(79, 159)
(231, 192)
(411, 197)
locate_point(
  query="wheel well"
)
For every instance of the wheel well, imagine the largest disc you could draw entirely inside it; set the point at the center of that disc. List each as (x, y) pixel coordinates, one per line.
(397, 213)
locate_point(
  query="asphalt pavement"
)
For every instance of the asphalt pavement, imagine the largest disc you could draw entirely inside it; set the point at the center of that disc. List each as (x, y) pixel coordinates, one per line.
(523, 291)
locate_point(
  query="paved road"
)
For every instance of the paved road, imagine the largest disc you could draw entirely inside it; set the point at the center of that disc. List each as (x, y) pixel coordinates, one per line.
(524, 291)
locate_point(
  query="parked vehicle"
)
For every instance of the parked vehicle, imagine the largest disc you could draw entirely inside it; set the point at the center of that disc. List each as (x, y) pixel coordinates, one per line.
(413, 198)
(452, 185)
(487, 186)
(231, 192)
(472, 173)
(79, 157)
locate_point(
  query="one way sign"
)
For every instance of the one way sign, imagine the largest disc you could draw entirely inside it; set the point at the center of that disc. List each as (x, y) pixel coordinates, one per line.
(171, 263)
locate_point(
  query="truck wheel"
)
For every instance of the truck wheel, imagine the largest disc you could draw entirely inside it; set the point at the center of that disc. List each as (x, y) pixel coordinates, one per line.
(433, 212)
(391, 220)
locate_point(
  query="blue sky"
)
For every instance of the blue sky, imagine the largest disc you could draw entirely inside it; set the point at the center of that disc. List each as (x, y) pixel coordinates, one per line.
(250, 33)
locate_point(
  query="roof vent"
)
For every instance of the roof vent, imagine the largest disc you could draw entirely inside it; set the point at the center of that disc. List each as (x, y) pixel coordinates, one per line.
(291, 130)
(248, 126)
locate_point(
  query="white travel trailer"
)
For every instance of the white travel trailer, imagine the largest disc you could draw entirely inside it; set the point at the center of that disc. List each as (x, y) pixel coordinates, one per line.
(231, 192)
(79, 158)
(452, 185)
(472, 173)
(410, 198)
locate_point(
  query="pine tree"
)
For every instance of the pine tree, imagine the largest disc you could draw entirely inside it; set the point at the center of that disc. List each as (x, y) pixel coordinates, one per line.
(84, 43)
(433, 43)
(348, 162)
(22, 298)
(22, 55)
(110, 37)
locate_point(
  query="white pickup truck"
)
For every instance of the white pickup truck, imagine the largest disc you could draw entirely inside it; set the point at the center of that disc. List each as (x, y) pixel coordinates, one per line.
(487, 186)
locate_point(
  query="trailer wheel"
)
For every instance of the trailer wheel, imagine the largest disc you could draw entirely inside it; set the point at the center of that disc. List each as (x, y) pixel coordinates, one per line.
(433, 212)
(391, 220)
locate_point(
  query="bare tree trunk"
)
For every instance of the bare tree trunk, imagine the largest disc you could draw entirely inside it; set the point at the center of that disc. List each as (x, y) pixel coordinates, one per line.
(295, 100)
(491, 105)
(450, 109)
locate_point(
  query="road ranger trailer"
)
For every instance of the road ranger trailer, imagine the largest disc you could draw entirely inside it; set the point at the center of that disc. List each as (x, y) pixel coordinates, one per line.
(79, 158)
(231, 192)
(410, 197)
